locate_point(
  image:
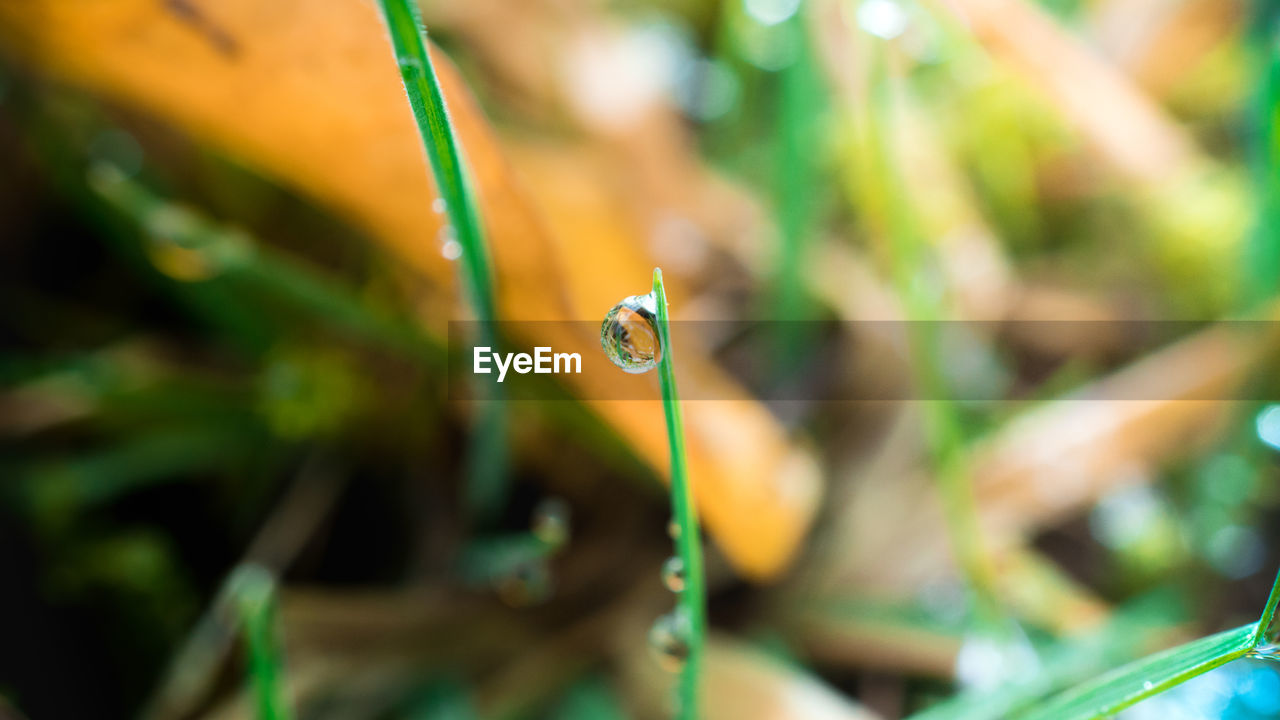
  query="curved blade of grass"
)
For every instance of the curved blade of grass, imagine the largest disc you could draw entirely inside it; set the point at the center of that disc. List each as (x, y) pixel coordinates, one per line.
(798, 110)
(1110, 693)
(252, 595)
(692, 601)
(1063, 665)
(486, 460)
(1268, 632)
(1262, 251)
(882, 195)
(235, 257)
(443, 151)
(1114, 691)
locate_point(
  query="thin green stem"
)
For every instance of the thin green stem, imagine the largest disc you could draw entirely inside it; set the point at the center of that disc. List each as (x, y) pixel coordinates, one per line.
(794, 194)
(231, 255)
(692, 601)
(1262, 251)
(1126, 686)
(486, 460)
(252, 592)
(453, 182)
(885, 198)
(1268, 632)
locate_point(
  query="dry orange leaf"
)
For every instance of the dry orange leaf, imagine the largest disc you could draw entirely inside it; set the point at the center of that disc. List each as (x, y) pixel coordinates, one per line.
(309, 94)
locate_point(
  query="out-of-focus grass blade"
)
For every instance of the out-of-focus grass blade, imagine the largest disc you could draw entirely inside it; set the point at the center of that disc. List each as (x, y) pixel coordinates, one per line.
(801, 104)
(1110, 693)
(882, 195)
(252, 595)
(590, 699)
(1134, 626)
(486, 460)
(1268, 632)
(230, 253)
(1262, 253)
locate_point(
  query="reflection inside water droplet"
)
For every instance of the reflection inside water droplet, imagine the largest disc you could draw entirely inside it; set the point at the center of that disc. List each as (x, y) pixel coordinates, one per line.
(629, 334)
(669, 641)
(673, 574)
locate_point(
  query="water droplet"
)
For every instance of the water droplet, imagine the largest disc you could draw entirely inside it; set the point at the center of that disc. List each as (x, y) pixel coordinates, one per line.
(669, 641)
(1147, 685)
(673, 529)
(1270, 651)
(551, 521)
(527, 583)
(450, 248)
(409, 67)
(706, 90)
(629, 334)
(987, 660)
(771, 12)
(438, 206)
(1236, 551)
(673, 574)
(118, 148)
(882, 18)
(1268, 424)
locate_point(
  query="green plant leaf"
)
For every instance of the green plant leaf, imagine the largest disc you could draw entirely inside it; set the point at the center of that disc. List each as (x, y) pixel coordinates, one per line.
(251, 591)
(1116, 690)
(486, 457)
(692, 601)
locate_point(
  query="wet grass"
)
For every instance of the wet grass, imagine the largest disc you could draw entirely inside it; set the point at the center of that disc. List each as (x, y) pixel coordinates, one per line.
(487, 456)
(691, 602)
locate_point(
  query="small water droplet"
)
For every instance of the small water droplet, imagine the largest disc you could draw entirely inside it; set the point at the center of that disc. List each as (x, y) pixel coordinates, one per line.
(1270, 651)
(673, 574)
(409, 66)
(438, 206)
(1268, 424)
(528, 583)
(882, 18)
(551, 521)
(629, 334)
(669, 641)
(1147, 685)
(995, 656)
(673, 529)
(451, 249)
(771, 12)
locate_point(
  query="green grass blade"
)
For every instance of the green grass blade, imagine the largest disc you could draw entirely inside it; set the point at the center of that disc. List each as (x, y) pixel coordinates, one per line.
(486, 458)
(1268, 630)
(252, 594)
(692, 601)
(1262, 251)
(442, 147)
(1114, 691)
(236, 258)
(796, 177)
(883, 196)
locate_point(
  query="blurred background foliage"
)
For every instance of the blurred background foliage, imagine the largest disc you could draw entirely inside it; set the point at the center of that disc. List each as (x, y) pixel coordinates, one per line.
(223, 299)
